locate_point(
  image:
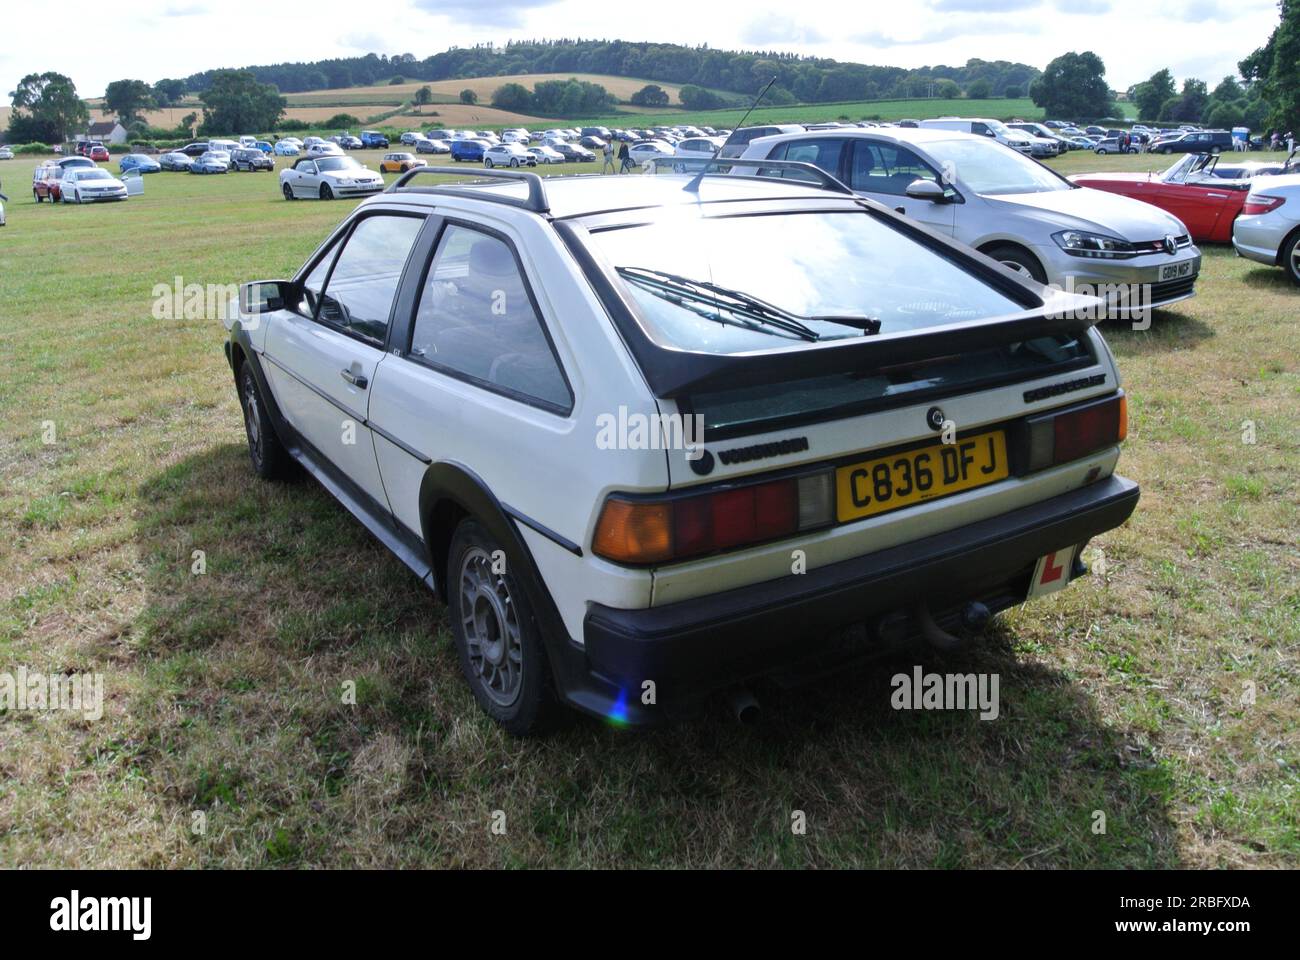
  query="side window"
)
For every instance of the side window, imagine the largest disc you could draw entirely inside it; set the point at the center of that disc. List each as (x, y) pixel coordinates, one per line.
(476, 317)
(980, 128)
(882, 168)
(359, 291)
(820, 153)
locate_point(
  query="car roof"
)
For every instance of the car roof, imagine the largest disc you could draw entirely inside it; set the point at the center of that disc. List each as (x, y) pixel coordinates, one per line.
(917, 135)
(580, 195)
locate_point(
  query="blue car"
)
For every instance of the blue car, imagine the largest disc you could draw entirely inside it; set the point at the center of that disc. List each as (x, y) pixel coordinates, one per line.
(263, 146)
(468, 149)
(139, 161)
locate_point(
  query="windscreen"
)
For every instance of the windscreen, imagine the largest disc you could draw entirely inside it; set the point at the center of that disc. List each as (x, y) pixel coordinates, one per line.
(990, 168)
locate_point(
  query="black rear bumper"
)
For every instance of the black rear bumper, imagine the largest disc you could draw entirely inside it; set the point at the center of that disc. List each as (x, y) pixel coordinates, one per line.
(696, 646)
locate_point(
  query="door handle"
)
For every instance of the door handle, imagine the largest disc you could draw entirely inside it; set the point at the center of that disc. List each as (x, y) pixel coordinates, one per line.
(900, 209)
(357, 380)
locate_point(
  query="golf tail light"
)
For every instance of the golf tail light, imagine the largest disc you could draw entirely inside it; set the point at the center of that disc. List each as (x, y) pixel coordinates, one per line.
(1074, 433)
(663, 530)
(1261, 204)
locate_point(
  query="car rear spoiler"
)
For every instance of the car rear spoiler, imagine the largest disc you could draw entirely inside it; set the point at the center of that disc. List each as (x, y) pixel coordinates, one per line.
(672, 372)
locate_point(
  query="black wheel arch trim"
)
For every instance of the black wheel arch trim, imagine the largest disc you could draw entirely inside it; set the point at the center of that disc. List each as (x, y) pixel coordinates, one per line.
(575, 682)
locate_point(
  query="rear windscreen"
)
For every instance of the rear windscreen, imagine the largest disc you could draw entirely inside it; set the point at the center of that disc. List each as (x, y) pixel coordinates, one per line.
(798, 277)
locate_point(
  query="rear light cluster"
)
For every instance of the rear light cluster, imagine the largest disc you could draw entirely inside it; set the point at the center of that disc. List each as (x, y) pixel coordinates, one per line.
(1255, 205)
(1073, 434)
(668, 529)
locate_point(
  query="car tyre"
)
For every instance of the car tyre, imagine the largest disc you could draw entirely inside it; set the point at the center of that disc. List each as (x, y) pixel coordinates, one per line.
(1291, 257)
(36, 196)
(498, 641)
(487, 163)
(271, 461)
(1018, 261)
(325, 192)
(287, 191)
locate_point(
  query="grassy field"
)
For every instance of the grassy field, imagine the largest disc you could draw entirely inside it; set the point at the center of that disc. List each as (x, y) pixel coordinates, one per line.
(1124, 694)
(367, 102)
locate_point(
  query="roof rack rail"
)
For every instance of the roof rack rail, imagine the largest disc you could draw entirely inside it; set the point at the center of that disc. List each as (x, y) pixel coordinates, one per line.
(536, 200)
(712, 167)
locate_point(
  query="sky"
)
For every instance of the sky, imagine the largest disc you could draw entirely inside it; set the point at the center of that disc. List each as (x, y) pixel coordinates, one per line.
(1197, 38)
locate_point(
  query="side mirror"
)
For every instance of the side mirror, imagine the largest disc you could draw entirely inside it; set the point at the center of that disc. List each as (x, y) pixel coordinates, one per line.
(926, 190)
(265, 296)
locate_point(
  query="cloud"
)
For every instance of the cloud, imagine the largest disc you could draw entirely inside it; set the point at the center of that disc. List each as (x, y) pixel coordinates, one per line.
(983, 6)
(950, 31)
(774, 29)
(484, 13)
(1083, 7)
(184, 10)
(1199, 11)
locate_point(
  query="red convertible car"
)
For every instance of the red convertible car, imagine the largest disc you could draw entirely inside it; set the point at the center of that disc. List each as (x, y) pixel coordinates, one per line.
(1190, 189)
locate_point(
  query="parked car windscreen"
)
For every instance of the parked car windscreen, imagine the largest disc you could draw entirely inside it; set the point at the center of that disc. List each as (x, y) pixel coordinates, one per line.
(334, 164)
(989, 168)
(812, 265)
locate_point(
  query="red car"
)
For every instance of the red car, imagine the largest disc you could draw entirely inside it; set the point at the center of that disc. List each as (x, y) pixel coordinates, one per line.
(1207, 204)
(98, 153)
(45, 183)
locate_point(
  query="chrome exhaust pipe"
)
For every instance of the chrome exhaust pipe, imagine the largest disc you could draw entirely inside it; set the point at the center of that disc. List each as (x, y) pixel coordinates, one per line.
(744, 704)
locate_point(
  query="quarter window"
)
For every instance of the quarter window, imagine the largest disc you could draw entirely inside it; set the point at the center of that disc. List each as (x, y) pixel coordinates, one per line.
(477, 317)
(820, 153)
(358, 293)
(882, 168)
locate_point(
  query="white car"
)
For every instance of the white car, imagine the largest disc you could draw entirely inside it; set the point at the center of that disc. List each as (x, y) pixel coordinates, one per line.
(1009, 207)
(648, 442)
(6, 153)
(324, 148)
(983, 127)
(546, 154)
(327, 177)
(1268, 228)
(698, 148)
(283, 148)
(649, 150)
(91, 184)
(508, 155)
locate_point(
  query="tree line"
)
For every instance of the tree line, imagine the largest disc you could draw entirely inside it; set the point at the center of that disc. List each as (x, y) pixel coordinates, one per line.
(799, 78)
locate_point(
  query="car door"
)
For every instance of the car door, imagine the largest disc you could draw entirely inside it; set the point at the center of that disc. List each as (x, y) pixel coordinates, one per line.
(883, 171)
(305, 181)
(324, 353)
(477, 350)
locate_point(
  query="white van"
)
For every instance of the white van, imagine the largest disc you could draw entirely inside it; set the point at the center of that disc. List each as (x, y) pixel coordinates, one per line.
(985, 127)
(229, 146)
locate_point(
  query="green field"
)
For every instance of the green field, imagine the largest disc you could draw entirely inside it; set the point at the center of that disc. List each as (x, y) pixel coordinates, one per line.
(1124, 694)
(1000, 109)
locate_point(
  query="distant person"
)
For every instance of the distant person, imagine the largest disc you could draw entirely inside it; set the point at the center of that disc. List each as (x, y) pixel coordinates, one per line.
(624, 158)
(608, 153)
(1290, 141)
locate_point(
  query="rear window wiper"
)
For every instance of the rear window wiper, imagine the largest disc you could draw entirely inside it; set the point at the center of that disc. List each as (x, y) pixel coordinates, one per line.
(678, 289)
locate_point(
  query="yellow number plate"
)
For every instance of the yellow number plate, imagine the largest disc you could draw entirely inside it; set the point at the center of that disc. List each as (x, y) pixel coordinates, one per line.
(888, 483)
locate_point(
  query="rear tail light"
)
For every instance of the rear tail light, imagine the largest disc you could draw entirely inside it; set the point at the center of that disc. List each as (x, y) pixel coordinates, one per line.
(668, 529)
(1261, 204)
(1074, 433)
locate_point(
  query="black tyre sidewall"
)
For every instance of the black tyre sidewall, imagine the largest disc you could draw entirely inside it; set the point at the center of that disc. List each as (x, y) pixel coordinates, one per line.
(534, 709)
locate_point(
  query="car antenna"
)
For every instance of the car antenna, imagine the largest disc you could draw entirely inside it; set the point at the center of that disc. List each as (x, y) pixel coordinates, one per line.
(694, 185)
